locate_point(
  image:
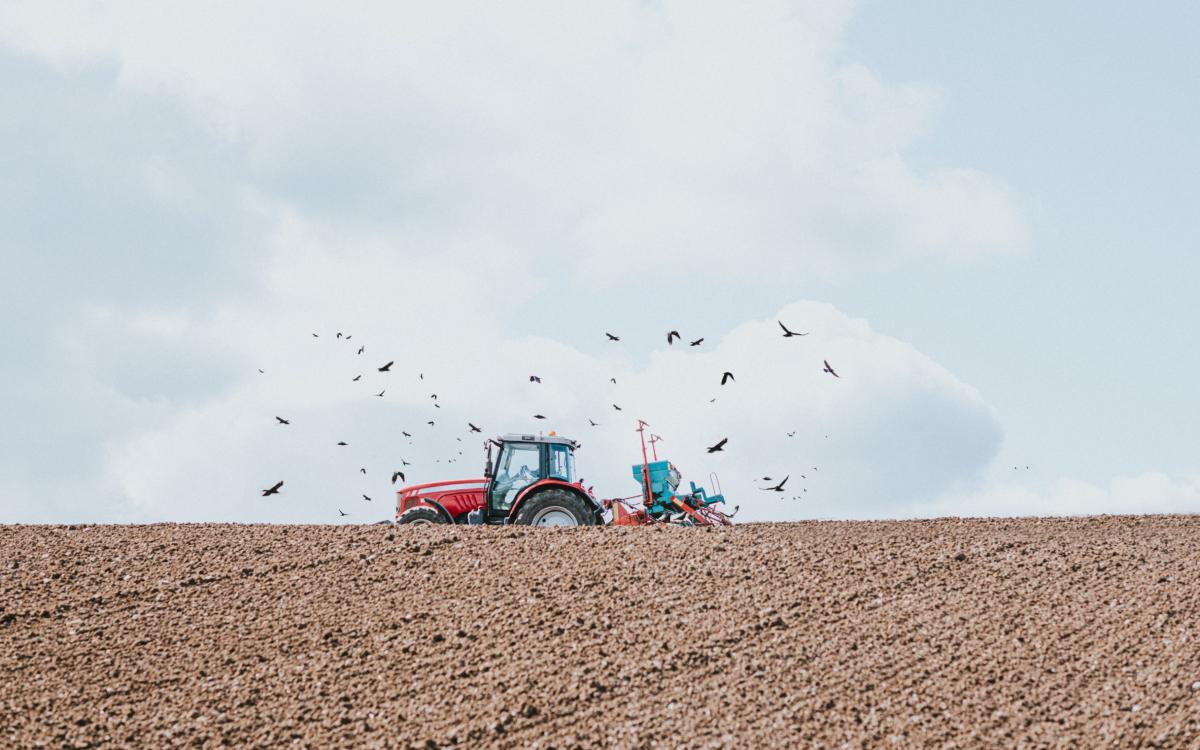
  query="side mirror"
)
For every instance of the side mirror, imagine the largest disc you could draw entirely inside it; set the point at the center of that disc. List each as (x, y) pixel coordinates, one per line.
(487, 467)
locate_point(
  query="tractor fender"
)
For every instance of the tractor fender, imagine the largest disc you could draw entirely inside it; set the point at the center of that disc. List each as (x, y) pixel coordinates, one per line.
(542, 484)
(435, 505)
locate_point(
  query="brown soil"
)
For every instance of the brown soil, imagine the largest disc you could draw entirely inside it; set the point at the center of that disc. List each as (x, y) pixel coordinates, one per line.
(1033, 633)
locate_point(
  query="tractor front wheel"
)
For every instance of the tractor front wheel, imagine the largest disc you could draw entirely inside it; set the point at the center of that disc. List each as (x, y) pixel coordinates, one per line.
(421, 514)
(555, 507)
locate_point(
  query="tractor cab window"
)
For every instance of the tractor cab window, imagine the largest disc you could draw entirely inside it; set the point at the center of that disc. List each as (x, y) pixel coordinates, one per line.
(517, 467)
(562, 463)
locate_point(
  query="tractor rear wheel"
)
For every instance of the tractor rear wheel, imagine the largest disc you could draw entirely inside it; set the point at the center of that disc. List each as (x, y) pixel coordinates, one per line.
(422, 514)
(555, 507)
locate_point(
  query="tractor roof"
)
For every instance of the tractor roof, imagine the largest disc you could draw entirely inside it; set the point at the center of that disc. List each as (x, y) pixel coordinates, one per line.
(514, 437)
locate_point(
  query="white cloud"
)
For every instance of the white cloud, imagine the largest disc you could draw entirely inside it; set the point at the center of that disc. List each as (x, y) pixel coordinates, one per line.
(725, 138)
(1151, 492)
(894, 428)
(420, 177)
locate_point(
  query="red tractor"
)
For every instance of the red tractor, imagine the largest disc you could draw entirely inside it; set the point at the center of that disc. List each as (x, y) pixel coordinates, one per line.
(532, 483)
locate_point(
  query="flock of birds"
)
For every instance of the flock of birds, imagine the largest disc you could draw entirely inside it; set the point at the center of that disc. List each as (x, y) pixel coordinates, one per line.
(672, 337)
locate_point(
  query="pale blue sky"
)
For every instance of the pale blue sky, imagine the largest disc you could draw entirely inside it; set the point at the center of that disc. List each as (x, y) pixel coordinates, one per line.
(986, 209)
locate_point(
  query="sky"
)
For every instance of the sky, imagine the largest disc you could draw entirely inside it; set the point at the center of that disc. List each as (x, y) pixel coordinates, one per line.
(982, 214)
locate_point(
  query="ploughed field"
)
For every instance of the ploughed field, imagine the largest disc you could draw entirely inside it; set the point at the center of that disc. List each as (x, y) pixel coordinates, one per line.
(949, 633)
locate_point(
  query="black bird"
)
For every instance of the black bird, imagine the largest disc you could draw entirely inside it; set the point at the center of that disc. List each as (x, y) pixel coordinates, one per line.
(281, 420)
(362, 349)
(697, 342)
(593, 424)
(538, 416)
(458, 439)
(380, 394)
(612, 337)
(366, 498)
(613, 381)
(339, 334)
(356, 378)
(422, 376)
(766, 479)
(473, 427)
(712, 401)
(786, 333)
(273, 490)
(719, 446)
(829, 369)
(404, 463)
(363, 470)
(315, 336)
(437, 406)
(792, 433)
(534, 379)
(671, 336)
(430, 423)
(260, 372)
(342, 443)
(349, 337)
(616, 407)
(398, 474)
(340, 513)
(405, 434)
(778, 487)
(387, 367)
(433, 396)
(727, 377)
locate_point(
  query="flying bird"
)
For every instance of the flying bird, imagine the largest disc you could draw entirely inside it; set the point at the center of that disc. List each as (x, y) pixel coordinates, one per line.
(792, 433)
(315, 336)
(340, 513)
(398, 474)
(433, 396)
(778, 487)
(612, 337)
(534, 379)
(380, 394)
(422, 376)
(712, 401)
(538, 416)
(405, 434)
(260, 372)
(339, 334)
(404, 463)
(356, 378)
(613, 381)
(829, 369)
(387, 367)
(719, 446)
(281, 420)
(430, 423)
(697, 342)
(725, 377)
(273, 490)
(473, 427)
(362, 349)
(349, 337)
(786, 333)
(593, 424)
(342, 443)
(363, 470)
(366, 498)
(616, 407)
(671, 336)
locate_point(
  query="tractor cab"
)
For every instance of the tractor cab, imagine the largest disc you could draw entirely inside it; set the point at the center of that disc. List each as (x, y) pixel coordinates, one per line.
(524, 466)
